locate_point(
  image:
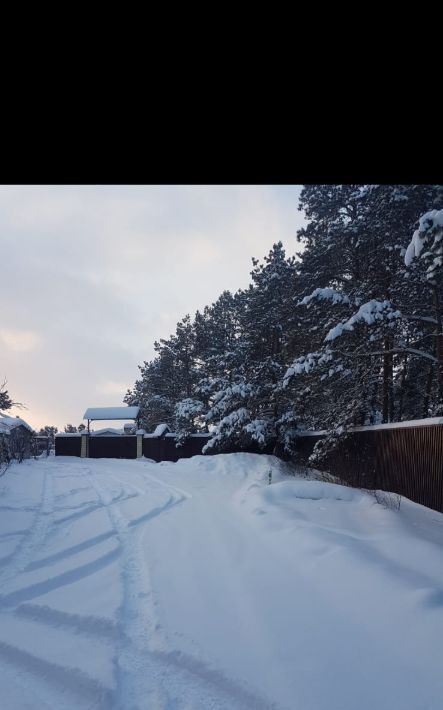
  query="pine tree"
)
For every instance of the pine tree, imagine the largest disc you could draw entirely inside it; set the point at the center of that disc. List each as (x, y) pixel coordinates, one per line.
(5, 400)
(361, 305)
(345, 333)
(70, 429)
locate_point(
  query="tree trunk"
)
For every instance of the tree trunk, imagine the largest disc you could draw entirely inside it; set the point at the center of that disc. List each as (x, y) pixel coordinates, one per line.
(402, 386)
(439, 345)
(388, 399)
(428, 390)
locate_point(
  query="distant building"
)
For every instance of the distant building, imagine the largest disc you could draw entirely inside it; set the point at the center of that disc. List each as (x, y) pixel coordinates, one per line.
(16, 438)
(107, 431)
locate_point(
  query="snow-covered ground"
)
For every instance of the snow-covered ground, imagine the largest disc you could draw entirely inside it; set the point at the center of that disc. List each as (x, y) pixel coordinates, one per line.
(196, 585)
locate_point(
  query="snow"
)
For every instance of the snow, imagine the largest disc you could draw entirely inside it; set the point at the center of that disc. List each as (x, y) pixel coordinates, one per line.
(414, 248)
(431, 421)
(129, 585)
(369, 312)
(189, 408)
(305, 364)
(325, 294)
(160, 430)
(7, 424)
(111, 413)
(430, 222)
(62, 434)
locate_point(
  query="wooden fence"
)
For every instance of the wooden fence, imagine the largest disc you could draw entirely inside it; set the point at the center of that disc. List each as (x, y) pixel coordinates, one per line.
(407, 460)
(159, 448)
(162, 448)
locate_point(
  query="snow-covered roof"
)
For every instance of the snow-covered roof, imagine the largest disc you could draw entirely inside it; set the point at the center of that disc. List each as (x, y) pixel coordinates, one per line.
(159, 430)
(108, 431)
(111, 413)
(7, 424)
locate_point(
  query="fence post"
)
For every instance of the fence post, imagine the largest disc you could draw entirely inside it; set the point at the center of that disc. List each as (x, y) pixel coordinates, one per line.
(84, 450)
(139, 446)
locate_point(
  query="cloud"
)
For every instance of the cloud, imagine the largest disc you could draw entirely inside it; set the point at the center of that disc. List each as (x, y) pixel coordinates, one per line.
(110, 387)
(95, 274)
(20, 341)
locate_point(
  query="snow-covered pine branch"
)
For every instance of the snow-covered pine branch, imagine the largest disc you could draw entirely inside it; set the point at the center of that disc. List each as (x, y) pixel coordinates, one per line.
(370, 313)
(189, 416)
(429, 234)
(325, 294)
(306, 363)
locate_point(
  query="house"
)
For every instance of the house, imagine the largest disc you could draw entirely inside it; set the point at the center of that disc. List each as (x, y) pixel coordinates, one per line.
(16, 438)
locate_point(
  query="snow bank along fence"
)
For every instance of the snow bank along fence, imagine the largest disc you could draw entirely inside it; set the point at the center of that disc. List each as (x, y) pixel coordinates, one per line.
(405, 458)
(159, 447)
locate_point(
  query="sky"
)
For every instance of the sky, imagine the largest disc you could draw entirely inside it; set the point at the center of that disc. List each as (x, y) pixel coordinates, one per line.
(91, 276)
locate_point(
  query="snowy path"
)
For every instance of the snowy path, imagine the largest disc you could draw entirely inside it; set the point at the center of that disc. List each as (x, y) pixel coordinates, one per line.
(128, 585)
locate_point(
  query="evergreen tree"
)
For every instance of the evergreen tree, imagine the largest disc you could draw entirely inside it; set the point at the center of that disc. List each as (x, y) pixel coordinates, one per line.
(50, 432)
(363, 306)
(5, 400)
(70, 429)
(345, 333)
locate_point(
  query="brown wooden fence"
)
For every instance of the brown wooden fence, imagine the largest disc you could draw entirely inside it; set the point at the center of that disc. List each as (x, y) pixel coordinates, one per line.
(405, 460)
(113, 447)
(67, 445)
(161, 448)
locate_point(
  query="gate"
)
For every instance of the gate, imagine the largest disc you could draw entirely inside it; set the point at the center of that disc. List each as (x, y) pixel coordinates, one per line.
(113, 447)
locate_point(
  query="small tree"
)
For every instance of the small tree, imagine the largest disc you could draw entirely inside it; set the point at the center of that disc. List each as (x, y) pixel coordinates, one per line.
(50, 432)
(70, 429)
(5, 400)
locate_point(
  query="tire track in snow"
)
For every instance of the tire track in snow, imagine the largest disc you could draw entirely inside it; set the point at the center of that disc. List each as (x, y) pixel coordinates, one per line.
(99, 628)
(61, 580)
(62, 678)
(35, 535)
(148, 673)
(83, 509)
(49, 676)
(168, 486)
(69, 551)
(95, 627)
(139, 491)
(136, 686)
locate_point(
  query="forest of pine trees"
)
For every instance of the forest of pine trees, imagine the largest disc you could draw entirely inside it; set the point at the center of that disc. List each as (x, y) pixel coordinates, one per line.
(347, 332)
